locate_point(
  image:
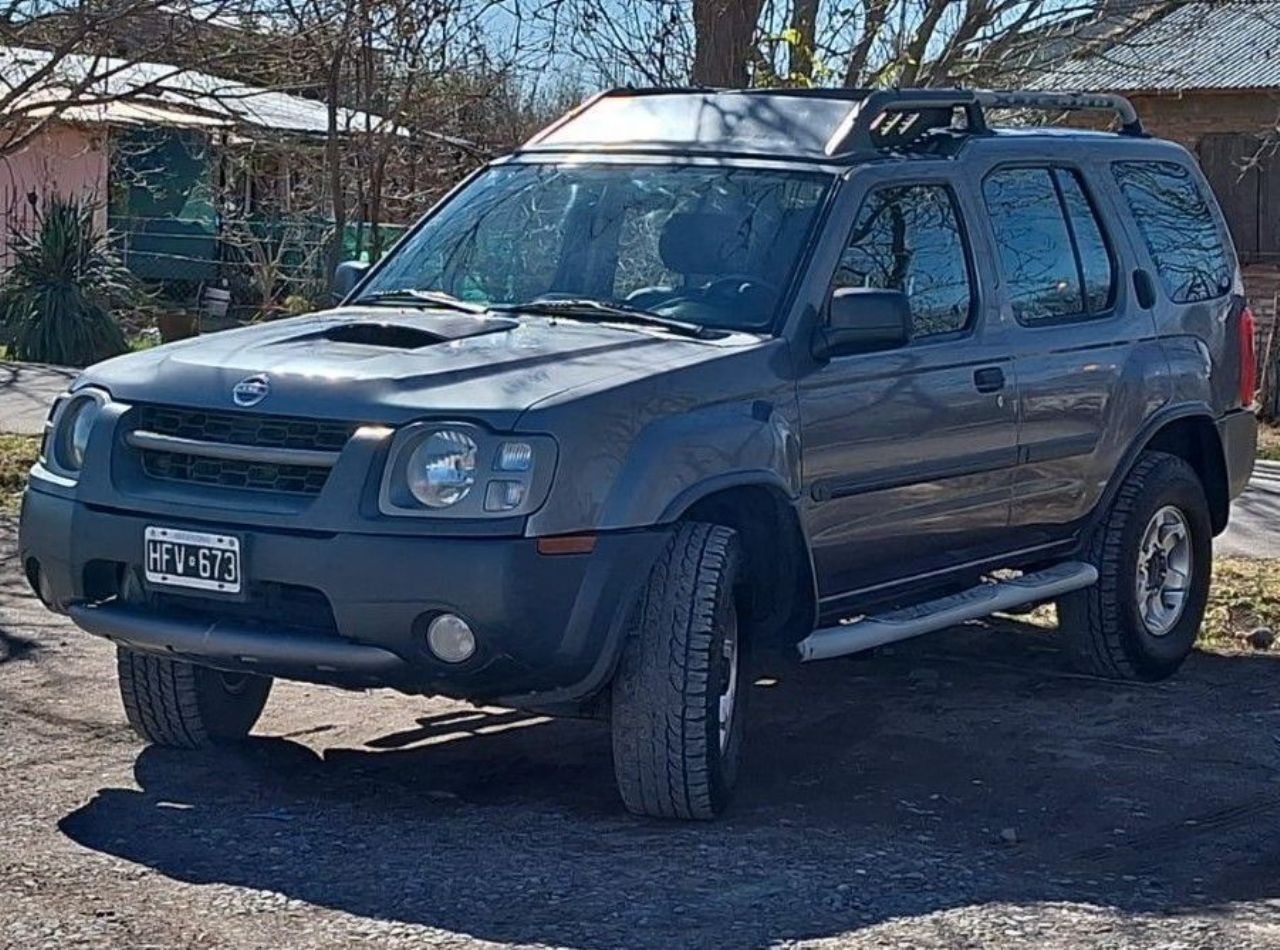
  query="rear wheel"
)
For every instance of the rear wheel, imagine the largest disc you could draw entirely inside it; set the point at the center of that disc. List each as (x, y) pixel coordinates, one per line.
(678, 696)
(173, 703)
(1154, 554)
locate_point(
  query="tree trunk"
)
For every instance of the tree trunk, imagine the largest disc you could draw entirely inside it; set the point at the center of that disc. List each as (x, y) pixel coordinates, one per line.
(333, 153)
(724, 31)
(804, 21)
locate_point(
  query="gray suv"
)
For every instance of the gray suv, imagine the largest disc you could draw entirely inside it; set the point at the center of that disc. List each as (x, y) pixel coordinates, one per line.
(692, 374)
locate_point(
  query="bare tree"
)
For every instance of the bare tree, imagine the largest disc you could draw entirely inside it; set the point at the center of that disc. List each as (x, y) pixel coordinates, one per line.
(855, 43)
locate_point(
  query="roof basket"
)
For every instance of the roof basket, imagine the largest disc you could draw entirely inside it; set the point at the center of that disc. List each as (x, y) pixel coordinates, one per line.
(898, 117)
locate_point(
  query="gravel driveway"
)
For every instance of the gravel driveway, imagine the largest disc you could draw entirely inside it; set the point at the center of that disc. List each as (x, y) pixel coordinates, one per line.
(963, 790)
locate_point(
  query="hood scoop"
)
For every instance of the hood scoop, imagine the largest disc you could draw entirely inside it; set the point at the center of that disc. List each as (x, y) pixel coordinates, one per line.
(368, 330)
(395, 336)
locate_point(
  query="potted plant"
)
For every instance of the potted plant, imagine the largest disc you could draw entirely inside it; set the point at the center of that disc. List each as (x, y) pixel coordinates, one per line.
(177, 324)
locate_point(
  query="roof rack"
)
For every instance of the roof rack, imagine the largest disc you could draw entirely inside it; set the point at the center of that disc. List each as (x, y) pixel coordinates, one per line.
(853, 125)
(896, 117)
(1130, 124)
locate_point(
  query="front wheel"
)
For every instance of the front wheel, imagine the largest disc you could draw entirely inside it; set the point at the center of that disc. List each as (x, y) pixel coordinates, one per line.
(1154, 554)
(174, 703)
(678, 696)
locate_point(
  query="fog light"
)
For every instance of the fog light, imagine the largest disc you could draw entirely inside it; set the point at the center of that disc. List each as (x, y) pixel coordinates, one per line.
(450, 638)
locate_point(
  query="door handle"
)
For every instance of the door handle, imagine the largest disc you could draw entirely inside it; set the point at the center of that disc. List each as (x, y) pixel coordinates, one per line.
(989, 379)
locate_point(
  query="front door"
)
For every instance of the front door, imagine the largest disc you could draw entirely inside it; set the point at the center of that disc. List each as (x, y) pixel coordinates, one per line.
(909, 454)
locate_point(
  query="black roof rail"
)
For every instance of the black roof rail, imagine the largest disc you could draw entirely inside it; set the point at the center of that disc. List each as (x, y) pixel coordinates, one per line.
(1130, 124)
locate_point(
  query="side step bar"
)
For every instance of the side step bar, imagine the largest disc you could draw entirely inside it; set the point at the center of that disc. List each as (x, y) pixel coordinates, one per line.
(971, 604)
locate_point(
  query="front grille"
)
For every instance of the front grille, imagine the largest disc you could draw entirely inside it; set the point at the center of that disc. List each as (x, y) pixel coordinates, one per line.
(234, 428)
(232, 473)
(269, 433)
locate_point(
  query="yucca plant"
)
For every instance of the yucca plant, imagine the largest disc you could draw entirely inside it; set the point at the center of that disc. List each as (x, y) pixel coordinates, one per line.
(58, 299)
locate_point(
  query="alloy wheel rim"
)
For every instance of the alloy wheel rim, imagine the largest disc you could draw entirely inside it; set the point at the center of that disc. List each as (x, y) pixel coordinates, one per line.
(729, 692)
(1164, 570)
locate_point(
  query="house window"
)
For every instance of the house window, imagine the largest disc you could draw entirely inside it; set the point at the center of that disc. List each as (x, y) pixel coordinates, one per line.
(1052, 252)
(909, 238)
(1179, 228)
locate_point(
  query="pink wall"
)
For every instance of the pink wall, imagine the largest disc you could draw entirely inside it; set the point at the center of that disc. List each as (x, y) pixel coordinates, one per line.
(64, 159)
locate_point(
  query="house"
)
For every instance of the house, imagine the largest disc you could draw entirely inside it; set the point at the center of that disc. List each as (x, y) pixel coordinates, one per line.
(1206, 75)
(178, 159)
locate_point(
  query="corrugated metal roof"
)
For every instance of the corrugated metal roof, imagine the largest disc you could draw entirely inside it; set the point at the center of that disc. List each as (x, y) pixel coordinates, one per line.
(1232, 45)
(122, 91)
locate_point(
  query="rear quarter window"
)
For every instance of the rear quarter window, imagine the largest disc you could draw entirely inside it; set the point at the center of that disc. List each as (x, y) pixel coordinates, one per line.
(1178, 225)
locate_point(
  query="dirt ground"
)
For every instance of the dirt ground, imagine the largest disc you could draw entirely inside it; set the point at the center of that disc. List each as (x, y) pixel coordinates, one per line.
(962, 790)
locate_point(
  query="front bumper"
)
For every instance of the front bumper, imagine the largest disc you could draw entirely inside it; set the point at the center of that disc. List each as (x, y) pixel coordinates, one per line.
(549, 627)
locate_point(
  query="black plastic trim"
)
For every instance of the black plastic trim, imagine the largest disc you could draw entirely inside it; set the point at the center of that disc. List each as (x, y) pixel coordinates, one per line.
(1050, 450)
(828, 489)
(237, 645)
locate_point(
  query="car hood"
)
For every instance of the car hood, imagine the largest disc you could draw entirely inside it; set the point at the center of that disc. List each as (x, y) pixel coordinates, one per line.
(383, 364)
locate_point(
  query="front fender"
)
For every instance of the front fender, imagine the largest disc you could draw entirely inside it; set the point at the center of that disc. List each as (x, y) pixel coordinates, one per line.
(676, 460)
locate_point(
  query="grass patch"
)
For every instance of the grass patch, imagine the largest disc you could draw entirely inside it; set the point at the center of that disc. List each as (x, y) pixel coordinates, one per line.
(1269, 442)
(17, 454)
(1244, 595)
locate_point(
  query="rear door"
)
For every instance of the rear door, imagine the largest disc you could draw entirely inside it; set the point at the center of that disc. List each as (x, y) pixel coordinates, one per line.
(1088, 365)
(909, 453)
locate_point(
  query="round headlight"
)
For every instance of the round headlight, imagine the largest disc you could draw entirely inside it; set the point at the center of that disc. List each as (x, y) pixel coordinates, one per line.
(73, 432)
(442, 468)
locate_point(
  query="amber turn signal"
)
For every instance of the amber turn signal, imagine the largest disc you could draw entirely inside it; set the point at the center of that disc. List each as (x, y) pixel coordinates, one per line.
(567, 544)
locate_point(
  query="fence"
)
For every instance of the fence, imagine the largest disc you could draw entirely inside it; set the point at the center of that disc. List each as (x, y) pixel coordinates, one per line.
(259, 259)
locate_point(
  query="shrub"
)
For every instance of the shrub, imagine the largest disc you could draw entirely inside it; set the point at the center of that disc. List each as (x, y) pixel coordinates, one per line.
(57, 301)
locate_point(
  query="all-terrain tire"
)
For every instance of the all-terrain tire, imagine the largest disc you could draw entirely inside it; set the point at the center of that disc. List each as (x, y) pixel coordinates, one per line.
(1104, 629)
(682, 651)
(172, 703)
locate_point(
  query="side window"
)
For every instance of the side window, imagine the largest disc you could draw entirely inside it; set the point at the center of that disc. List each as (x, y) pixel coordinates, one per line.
(908, 238)
(1052, 252)
(1179, 229)
(1091, 245)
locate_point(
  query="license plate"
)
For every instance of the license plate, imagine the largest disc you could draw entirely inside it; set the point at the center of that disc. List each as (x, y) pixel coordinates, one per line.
(192, 559)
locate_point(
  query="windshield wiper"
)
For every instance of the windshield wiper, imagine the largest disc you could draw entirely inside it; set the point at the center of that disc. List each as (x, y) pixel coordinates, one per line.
(586, 308)
(431, 298)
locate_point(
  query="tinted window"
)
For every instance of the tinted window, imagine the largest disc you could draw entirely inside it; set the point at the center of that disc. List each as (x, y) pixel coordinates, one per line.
(1179, 229)
(909, 239)
(1095, 258)
(1033, 244)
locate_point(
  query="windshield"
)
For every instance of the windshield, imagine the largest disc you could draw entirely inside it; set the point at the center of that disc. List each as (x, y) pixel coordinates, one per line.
(710, 246)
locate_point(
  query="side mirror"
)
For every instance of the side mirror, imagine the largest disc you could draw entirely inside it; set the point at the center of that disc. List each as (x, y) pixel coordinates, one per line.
(861, 319)
(346, 276)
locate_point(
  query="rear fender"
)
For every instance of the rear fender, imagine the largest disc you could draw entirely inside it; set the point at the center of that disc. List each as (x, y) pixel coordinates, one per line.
(1210, 462)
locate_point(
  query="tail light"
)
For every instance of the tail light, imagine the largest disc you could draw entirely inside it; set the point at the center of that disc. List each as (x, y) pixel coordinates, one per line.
(1248, 357)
